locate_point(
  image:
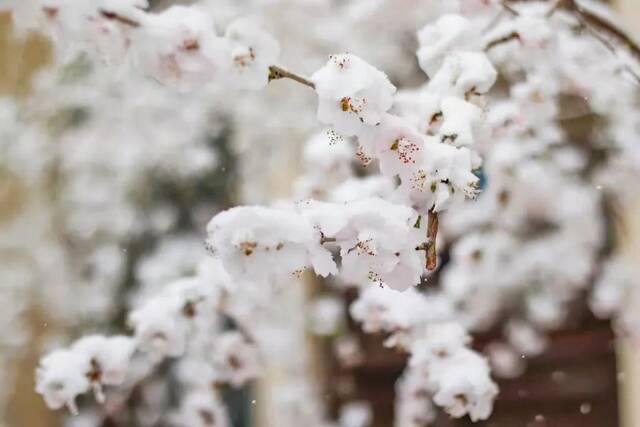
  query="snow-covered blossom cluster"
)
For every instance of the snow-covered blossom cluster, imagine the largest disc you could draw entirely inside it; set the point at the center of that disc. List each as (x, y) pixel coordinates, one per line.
(379, 241)
(442, 368)
(539, 234)
(376, 239)
(91, 363)
(520, 200)
(84, 160)
(183, 320)
(178, 46)
(434, 165)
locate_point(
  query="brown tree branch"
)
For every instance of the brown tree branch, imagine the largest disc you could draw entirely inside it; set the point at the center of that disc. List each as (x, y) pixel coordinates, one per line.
(276, 73)
(432, 234)
(504, 39)
(119, 18)
(430, 245)
(324, 240)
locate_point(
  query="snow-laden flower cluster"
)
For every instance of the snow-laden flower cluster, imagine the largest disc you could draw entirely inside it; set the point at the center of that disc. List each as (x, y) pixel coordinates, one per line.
(457, 377)
(566, 231)
(162, 324)
(433, 162)
(377, 241)
(442, 368)
(90, 363)
(448, 112)
(178, 46)
(202, 409)
(82, 159)
(86, 150)
(328, 160)
(182, 320)
(538, 235)
(533, 241)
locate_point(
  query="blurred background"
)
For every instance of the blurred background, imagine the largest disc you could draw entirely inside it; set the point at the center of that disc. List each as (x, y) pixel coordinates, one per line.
(85, 232)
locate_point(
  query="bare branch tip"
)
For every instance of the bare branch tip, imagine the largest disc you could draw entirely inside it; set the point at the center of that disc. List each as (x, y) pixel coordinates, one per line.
(276, 73)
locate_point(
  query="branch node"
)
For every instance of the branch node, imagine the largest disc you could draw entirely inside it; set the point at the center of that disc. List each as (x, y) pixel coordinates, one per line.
(324, 240)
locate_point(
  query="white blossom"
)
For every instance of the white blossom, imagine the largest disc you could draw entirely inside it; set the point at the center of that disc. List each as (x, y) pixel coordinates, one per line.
(437, 41)
(505, 361)
(162, 324)
(179, 46)
(525, 338)
(202, 409)
(377, 245)
(356, 414)
(463, 74)
(352, 94)
(414, 406)
(263, 243)
(109, 358)
(397, 146)
(235, 359)
(463, 385)
(61, 377)
(326, 315)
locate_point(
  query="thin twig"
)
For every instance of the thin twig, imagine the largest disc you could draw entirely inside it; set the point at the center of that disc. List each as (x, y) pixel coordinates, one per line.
(276, 73)
(429, 246)
(113, 16)
(504, 39)
(509, 9)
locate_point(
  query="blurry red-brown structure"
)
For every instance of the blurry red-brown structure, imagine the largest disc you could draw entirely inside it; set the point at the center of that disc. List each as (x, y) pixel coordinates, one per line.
(573, 383)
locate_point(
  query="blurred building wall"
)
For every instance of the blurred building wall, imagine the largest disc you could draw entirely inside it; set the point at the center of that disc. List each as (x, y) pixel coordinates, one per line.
(630, 12)
(20, 58)
(629, 349)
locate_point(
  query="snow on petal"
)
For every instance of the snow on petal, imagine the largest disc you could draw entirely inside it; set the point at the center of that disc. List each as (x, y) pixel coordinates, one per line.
(351, 94)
